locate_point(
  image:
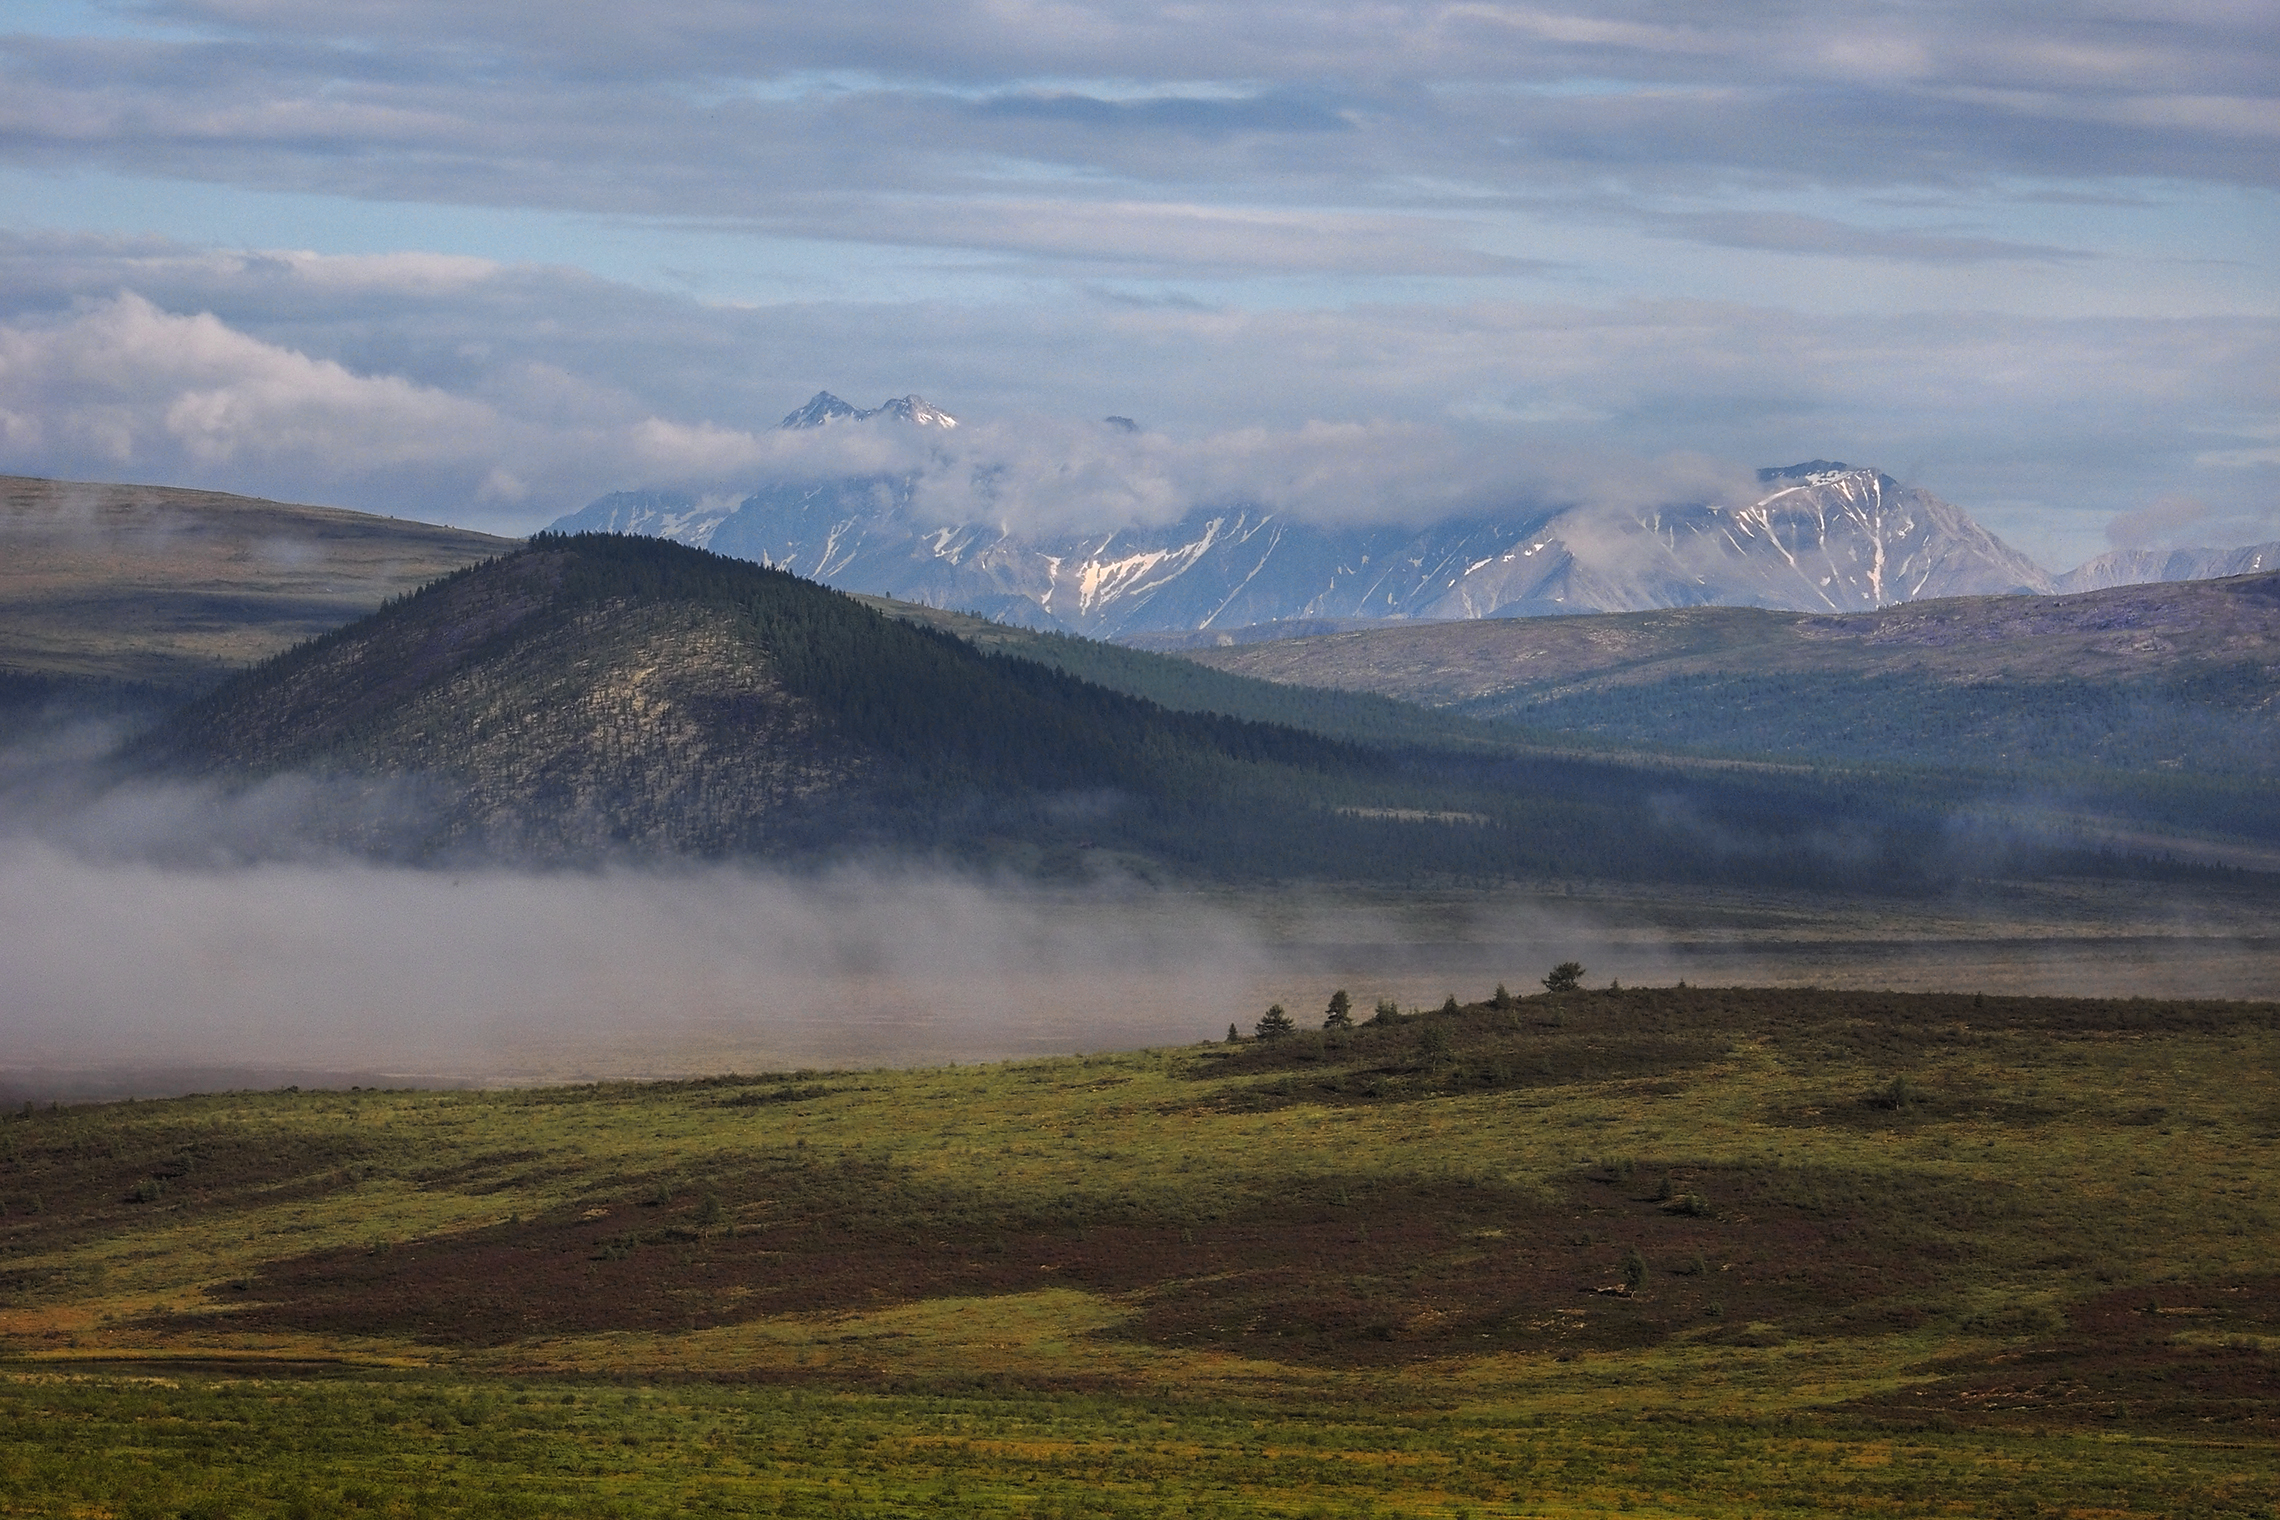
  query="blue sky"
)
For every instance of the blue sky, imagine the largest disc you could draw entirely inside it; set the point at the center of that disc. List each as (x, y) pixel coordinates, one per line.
(480, 264)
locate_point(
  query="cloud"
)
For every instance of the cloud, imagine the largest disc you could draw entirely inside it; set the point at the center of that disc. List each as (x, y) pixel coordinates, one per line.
(131, 385)
(1038, 475)
(2158, 522)
(1156, 237)
(497, 974)
(1783, 232)
(697, 109)
(166, 923)
(504, 395)
(1186, 115)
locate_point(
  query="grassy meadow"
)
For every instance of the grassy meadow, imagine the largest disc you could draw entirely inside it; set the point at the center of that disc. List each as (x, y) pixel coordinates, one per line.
(1668, 1251)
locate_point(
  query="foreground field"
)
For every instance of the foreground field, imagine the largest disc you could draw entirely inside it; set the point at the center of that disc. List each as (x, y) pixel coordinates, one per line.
(1641, 1251)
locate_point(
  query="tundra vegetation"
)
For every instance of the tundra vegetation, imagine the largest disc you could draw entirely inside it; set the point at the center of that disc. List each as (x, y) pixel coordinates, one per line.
(1655, 1251)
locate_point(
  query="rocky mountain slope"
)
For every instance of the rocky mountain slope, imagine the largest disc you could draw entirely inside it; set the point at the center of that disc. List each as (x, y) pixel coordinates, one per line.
(1825, 537)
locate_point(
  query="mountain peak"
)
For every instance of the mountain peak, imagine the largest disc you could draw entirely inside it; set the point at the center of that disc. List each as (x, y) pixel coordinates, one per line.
(1805, 471)
(913, 410)
(824, 409)
(821, 411)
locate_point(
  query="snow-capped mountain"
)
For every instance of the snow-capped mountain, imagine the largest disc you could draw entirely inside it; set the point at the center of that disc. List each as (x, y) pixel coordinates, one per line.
(2136, 567)
(824, 408)
(1823, 537)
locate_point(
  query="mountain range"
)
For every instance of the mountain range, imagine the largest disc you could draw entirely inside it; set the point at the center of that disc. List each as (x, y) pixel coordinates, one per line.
(1823, 537)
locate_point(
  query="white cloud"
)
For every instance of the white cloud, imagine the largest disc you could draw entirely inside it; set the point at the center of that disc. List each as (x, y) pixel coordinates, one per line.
(505, 395)
(135, 385)
(2166, 520)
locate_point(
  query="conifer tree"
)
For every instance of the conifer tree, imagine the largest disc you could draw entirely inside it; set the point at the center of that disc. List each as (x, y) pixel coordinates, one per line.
(1275, 1023)
(1341, 1011)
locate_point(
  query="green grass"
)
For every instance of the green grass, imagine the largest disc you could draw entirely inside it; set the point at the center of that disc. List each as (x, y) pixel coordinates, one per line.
(1883, 1254)
(206, 1445)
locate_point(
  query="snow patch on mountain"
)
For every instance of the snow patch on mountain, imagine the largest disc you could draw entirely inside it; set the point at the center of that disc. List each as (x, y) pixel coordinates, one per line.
(824, 409)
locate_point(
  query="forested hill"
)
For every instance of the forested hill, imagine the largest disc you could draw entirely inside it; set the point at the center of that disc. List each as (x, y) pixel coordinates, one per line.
(593, 692)
(596, 695)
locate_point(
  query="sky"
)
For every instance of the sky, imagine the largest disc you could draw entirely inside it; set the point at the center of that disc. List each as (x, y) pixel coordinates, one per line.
(480, 264)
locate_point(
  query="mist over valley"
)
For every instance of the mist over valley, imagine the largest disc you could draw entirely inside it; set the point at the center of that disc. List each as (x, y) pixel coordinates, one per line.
(607, 806)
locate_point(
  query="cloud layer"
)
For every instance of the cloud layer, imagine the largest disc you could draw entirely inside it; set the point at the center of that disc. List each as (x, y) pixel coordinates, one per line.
(503, 395)
(1415, 253)
(704, 108)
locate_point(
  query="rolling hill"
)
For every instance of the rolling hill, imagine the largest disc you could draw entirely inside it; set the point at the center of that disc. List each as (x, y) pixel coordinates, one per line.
(2177, 677)
(174, 589)
(592, 694)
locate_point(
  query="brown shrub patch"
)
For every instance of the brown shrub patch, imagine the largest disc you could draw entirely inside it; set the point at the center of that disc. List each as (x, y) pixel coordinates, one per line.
(1644, 1033)
(2201, 1356)
(1343, 1269)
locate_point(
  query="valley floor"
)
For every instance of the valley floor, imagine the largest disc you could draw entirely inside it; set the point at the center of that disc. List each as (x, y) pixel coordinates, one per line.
(1656, 1251)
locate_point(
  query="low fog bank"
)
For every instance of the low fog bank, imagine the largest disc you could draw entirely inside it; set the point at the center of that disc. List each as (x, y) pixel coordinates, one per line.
(138, 977)
(170, 937)
(508, 975)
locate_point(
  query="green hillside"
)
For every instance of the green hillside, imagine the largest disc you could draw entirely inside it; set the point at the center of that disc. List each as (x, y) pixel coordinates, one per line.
(1704, 1252)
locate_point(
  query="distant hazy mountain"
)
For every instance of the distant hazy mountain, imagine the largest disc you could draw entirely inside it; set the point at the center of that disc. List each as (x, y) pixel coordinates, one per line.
(2137, 567)
(1825, 537)
(2169, 679)
(824, 409)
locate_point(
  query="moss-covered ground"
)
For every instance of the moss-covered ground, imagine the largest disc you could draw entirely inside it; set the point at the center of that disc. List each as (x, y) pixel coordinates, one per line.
(1650, 1251)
